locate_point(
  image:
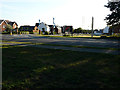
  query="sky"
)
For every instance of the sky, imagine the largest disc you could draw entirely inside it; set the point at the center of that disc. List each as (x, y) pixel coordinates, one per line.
(77, 13)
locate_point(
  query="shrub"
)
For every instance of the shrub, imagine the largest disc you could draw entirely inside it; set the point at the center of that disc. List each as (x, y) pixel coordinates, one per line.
(116, 35)
(46, 33)
(66, 35)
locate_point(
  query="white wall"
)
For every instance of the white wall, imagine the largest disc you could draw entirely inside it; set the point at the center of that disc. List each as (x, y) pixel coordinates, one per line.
(106, 30)
(42, 25)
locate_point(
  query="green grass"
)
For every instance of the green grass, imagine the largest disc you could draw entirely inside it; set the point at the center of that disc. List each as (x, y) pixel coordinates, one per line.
(34, 68)
(74, 36)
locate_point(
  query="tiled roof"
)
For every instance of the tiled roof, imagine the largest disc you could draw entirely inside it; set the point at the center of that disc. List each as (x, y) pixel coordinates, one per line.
(37, 24)
(11, 23)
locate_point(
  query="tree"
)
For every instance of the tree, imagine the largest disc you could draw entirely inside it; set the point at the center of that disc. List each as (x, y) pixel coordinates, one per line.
(78, 30)
(9, 28)
(114, 17)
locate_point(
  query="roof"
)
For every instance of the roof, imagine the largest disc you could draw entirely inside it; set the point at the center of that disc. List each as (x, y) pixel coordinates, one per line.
(1, 21)
(50, 25)
(11, 23)
(28, 27)
(37, 24)
(7, 21)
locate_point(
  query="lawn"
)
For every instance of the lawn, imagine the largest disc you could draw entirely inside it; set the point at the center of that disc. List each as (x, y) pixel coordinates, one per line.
(35, 68)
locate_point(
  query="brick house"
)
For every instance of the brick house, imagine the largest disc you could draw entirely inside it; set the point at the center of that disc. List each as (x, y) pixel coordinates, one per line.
(4, 23)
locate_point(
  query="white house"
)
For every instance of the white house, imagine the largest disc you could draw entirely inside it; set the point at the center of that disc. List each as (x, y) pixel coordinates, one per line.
(106, 30)
(43, 27)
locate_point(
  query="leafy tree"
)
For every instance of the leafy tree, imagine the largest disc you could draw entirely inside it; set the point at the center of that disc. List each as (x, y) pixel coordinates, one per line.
(114, 17)
(78, 30)
(9, 28)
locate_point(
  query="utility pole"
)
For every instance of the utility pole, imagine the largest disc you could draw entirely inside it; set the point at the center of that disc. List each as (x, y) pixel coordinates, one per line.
(92, 26)
(53, 25)
(39, 26)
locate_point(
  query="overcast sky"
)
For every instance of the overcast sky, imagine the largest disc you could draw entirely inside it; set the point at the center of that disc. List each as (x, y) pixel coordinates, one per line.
(77, 13)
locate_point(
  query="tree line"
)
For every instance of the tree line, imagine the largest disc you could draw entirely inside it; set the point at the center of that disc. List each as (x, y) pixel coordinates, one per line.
(83, 31)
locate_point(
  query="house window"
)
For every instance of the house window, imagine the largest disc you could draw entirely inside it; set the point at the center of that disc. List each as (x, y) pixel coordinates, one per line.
(15, 26)
(3, 26)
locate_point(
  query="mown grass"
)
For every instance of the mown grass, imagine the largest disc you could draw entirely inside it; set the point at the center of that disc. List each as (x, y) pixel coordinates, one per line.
(71, 36)
(30, 68)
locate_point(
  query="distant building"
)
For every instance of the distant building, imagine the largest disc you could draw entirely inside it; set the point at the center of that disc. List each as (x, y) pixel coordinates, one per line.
(26, 28)
(59, 29)
(4, 23)
(43, 27)
(106, 30)
(67, 29)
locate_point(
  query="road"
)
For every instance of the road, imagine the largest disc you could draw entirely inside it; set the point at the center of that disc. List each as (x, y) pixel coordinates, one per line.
(64, 41)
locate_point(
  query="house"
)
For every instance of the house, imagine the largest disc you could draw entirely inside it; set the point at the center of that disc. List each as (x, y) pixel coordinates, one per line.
(57, 29)
(43, 27)
(3, 25)
(14, 25)
(106, 30)
(112, 29)
(51, 27)
(26, 28)
(67, 29)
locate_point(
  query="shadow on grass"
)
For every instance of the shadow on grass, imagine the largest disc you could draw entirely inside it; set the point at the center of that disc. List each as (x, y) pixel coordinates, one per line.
(35, 68)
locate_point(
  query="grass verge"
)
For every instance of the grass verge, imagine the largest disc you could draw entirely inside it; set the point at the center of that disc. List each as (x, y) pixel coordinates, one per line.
(35, 68)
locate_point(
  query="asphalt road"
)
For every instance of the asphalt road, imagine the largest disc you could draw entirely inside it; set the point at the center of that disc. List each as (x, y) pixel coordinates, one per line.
(64, 41)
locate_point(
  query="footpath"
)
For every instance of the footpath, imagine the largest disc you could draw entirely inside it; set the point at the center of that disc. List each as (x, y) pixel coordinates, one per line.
(106, 51)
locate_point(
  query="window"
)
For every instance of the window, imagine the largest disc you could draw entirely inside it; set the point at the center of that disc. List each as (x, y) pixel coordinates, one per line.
(3, 26)
(15, 26)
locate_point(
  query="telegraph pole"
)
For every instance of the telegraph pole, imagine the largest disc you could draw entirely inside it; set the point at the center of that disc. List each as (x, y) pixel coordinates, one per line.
(53, 25)
(39, 25)
(92, 26)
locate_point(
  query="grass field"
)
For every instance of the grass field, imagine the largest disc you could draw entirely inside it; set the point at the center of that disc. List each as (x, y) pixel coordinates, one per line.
(74, 36)
(34, 68)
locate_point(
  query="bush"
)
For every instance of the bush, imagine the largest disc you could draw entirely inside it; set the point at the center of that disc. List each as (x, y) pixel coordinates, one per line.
(103, 36)
(46, 33)
(24, 32)
(116, 35)
(54, 33)
(66, 35)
